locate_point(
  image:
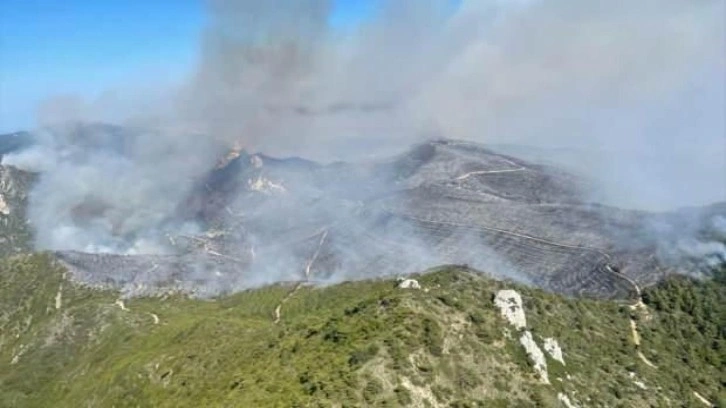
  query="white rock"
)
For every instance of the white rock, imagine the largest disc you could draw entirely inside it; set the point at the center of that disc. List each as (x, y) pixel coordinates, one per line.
(509, 303)
(703, 399)
(637, 383)
(552, 347)
(408, 284)
(59, 298)
(536, 355)
(120, 303)
(265, 186)
(566, 400)
(4, 207)
(16, 358)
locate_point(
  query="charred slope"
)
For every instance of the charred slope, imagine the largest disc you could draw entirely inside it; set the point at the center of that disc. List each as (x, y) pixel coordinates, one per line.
(268, 220)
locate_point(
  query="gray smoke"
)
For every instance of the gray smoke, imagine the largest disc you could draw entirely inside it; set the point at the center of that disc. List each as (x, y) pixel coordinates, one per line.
(109, 189)
(630, 94)
(635, 91)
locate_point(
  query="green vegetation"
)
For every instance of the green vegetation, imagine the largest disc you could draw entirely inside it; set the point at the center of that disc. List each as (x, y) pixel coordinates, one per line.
(353, 344)
(15, 234)
(687, 332)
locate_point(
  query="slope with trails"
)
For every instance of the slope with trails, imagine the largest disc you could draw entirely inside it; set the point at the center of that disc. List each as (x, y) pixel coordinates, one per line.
(439, 203)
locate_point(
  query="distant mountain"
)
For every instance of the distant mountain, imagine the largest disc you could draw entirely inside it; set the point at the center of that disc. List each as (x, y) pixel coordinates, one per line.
(441, 202)
(261, 220)
(12, 142)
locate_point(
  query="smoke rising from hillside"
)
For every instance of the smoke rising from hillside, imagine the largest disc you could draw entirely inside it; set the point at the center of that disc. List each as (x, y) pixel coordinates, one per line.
(628, 93)
(639, 88)
(636, 89)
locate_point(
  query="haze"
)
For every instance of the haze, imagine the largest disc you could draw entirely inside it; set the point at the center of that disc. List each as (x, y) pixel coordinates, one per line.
(628, 94)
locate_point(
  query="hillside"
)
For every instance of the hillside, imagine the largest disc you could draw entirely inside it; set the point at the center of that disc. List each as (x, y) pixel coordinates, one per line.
(284, 293)
(241, 220)
(367, 343)
(253, 220)
(15, 234)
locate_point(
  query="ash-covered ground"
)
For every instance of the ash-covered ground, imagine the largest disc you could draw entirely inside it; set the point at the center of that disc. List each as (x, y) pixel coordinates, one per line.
(254, 220)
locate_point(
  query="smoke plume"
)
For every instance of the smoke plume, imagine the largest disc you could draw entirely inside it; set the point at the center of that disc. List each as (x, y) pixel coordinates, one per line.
(636, 90)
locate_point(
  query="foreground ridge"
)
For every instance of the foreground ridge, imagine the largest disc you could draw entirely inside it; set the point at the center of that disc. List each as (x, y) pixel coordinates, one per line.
(440, 341)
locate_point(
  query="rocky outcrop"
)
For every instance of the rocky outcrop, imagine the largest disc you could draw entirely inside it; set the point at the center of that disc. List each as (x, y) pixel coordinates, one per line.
(565, 400)
(536, 355)
(511, 307)
(552, 347)
(408, 284)
(265, 186)
(509, 303)
(4, 207)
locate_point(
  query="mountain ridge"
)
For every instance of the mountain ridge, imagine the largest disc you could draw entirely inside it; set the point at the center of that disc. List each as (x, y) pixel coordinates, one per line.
(439, 202)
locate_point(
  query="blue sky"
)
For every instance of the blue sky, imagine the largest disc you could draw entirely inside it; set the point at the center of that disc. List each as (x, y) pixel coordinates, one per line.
(84, 47)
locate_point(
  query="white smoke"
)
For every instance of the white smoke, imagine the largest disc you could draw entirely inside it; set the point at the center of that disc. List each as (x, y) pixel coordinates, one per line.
(109, 189)
(634, 90)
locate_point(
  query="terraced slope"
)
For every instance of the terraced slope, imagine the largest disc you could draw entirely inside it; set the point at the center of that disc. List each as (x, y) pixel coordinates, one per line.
(440, 203)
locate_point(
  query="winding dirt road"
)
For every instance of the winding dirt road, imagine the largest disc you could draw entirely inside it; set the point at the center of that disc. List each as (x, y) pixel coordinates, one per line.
(298, 285)
(483, 172)
(633, 323)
